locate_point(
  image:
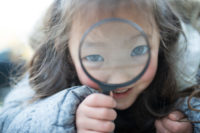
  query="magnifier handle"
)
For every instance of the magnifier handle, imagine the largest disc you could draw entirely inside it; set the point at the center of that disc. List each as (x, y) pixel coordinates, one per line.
(106, 92)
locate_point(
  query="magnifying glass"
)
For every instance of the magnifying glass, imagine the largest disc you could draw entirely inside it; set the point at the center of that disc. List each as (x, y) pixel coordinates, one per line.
(114, 53)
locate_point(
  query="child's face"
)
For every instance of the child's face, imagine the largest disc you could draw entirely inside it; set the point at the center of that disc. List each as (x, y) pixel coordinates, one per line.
(126, 96)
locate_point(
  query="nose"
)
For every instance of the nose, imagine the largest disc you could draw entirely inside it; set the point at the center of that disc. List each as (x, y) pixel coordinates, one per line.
(119, 77)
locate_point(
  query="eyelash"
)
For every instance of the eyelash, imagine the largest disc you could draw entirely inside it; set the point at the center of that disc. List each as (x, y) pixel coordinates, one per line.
(94, 58)
(98, 58)
(144, 49)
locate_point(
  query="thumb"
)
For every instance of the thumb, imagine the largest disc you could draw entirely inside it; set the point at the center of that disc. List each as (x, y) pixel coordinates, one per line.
(176, 115)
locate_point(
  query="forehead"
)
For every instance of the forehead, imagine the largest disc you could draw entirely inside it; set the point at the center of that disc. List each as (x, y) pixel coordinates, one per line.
(92, 13)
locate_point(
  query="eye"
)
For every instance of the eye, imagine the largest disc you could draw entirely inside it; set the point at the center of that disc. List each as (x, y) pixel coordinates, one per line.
(140, 50)
(94, 58)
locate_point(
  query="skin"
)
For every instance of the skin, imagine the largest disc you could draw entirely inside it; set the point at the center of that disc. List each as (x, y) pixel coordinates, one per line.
(169, 124)
(96, 113)
(78, 30)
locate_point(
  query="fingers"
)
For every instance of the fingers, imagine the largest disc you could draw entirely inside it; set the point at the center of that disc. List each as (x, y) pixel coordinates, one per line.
(160, 128)
(167, 125)
(97, 125)
(100, 113)
(96, 114)
(176, 115)
(98, 110)
(177, 127)
(100, 100)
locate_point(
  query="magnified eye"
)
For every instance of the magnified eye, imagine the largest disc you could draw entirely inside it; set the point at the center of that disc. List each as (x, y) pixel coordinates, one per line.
(94, 58)
(140, 50)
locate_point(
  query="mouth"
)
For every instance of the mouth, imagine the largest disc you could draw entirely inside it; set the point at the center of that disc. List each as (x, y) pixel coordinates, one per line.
(121, 93)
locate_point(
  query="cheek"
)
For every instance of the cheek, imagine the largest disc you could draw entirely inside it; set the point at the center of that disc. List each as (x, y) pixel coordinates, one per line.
(85, 80)
(150, 73)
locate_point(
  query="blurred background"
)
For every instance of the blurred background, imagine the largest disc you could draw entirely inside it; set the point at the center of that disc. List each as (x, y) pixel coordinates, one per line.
(17, 21)
(18, 18)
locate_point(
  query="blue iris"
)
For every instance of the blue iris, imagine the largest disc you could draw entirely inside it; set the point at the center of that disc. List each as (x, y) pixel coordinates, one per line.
(94, 58)
(140, 50)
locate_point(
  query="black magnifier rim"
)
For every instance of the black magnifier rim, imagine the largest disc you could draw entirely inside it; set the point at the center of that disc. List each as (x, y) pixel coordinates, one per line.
(111, 87)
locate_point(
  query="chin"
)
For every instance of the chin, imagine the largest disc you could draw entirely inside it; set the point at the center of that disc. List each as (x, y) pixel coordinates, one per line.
(122, 106)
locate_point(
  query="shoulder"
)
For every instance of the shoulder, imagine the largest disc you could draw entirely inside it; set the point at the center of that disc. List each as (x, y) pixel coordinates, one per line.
(53, 114)
(21, 92)
(192, 115)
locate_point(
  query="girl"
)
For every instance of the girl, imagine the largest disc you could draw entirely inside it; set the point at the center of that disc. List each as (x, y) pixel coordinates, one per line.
(145, 106)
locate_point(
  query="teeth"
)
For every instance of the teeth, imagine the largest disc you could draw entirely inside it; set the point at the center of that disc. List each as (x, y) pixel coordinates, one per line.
(121, 91)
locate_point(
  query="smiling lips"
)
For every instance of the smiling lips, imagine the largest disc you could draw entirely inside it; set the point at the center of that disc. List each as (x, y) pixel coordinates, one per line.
(119, 91)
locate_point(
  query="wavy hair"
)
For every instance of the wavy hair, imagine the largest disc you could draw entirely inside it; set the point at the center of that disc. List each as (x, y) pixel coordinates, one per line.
(52, 70)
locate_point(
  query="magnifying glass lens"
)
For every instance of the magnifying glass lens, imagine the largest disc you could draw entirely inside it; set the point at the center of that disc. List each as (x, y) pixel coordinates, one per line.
(114, 52)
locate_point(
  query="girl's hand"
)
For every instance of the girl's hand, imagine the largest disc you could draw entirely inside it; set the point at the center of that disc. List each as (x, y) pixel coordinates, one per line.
(170, 124)
(96, 114)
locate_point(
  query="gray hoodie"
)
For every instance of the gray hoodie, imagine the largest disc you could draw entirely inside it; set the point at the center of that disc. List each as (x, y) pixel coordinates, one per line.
(55, 114)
